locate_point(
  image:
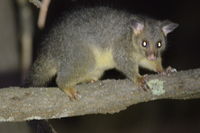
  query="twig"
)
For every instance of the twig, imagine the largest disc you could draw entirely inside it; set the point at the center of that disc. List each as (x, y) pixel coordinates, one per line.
(37, 3)
(26, 35)
(44, 5)
(41, 126)
(108, 96)
(43, 13)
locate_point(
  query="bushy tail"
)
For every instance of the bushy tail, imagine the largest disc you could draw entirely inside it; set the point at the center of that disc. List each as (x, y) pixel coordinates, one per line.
(41, 73)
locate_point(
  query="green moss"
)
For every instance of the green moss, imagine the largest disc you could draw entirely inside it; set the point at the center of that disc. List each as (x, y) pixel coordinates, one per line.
(156, 86)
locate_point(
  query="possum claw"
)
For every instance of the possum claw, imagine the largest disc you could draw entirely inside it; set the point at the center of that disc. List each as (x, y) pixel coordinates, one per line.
(72, 93)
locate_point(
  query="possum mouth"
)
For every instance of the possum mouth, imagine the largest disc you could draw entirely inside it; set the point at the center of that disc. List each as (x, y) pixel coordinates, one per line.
(152, 56)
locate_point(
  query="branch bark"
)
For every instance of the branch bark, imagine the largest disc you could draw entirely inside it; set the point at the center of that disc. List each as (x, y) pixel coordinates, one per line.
(108, 96)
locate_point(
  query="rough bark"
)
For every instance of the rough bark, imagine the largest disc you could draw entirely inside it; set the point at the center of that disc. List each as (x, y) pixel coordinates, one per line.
(108, 96)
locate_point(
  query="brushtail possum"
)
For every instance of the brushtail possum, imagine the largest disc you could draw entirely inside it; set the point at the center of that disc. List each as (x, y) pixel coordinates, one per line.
(89, 41)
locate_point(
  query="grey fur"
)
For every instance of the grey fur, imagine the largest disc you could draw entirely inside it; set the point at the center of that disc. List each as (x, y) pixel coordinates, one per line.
(67, 48)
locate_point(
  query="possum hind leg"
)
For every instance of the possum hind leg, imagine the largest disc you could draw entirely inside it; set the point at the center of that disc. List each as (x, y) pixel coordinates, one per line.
(75, 70)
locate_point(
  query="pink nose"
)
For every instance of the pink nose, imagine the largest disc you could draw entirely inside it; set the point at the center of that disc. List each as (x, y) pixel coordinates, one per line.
(151, 57)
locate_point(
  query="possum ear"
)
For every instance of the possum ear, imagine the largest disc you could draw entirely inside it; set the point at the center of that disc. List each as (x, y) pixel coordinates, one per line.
(137, 26)
(168, 26)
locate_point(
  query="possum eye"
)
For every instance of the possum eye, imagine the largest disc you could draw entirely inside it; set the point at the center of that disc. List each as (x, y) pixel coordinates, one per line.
(159, 44)
(144, 43)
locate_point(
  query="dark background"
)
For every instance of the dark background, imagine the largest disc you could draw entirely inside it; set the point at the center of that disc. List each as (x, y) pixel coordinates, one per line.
(183, 53)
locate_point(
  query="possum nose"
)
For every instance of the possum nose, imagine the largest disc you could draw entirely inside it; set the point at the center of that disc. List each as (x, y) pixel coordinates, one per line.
(151, 57)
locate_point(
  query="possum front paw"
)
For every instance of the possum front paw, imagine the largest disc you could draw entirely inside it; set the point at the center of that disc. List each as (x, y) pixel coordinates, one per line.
(168, 71)
(72, 93)
(141, 82)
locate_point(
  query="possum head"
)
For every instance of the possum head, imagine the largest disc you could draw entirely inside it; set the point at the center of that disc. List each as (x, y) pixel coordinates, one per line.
(150, 36)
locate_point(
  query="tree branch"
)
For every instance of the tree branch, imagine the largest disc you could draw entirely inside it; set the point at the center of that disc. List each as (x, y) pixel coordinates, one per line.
(108, 96)
(43, 5)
